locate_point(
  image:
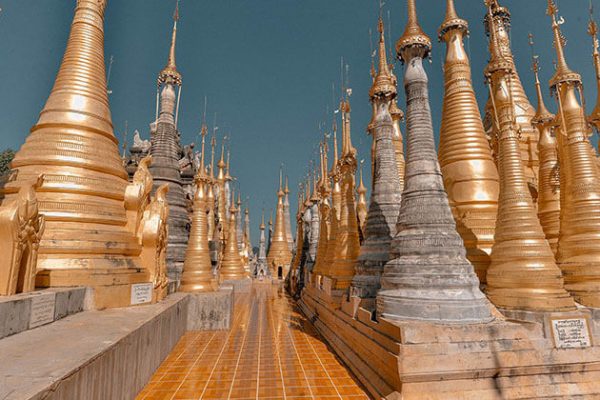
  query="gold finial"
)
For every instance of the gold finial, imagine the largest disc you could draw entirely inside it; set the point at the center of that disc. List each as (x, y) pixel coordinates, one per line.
(239, 200)
(315, 194)
(307, 202)
(361, 186)
(270, 219)
(335, 145)
(169, 74)
(498, 61)
(542, 114)
(593, 30)
(563, 73)
(262, 221)
(227, 171)
(452, 21)
(383, 85)
(281, 180)
(286, 189)
(221, 164)
(413, 36)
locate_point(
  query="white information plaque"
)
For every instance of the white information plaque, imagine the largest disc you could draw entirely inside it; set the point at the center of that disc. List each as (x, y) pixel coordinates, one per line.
(141, 293)
(42, 309)
(571, 333)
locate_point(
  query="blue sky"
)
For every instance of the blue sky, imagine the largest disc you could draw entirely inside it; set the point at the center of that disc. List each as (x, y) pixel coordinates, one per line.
(266, 66)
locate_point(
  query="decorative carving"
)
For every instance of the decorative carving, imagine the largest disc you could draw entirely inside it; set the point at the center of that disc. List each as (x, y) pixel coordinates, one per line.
(153, 235)
(21, 228)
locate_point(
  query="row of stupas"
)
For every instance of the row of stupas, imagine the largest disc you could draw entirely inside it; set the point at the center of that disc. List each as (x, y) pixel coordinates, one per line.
(474, 271)
(522, 232)
(70, 216)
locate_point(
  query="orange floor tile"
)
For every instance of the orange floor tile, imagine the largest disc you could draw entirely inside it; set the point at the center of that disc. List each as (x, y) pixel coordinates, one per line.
(272, 352)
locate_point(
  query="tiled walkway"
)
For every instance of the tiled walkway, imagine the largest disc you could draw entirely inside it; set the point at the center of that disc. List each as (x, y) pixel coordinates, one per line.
(272, 352)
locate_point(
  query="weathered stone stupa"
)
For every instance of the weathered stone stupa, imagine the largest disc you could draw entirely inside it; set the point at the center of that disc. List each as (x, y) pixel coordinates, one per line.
(429, 277)
(384, 205)
(165, 151)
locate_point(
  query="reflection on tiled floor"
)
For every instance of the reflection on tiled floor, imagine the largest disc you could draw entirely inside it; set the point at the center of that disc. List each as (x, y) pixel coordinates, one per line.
(272, 352)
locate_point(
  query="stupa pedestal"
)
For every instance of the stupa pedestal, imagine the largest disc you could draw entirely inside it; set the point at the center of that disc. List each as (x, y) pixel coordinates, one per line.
(502, 359)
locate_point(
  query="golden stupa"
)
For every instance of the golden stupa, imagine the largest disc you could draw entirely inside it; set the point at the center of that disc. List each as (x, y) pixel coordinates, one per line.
(361, 205)
(579, 239)
(335, 210)
(279, 255)
(294, 268)
(522, 274)
(95, 225)
(197, 273)
(324, 214)
(210, 196)
(470, 176)
(232, 266)
(347, 237)
(549, 184)
(523, 110)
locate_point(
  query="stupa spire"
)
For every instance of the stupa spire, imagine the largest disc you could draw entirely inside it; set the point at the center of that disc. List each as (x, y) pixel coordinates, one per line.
(361, 204)
(413, 36)
(470, 175)
(523, 110)
(170, 74)
(549, 185)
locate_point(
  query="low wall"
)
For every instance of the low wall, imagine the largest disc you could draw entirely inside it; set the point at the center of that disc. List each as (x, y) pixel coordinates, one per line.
(108, 354)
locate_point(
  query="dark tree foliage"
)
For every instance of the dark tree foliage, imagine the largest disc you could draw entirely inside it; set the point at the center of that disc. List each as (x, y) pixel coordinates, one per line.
(6, 157)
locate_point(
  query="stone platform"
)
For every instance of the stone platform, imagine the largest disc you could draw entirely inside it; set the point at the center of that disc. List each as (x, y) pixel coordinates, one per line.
(503, 359)
(108, 354)
(25, 311)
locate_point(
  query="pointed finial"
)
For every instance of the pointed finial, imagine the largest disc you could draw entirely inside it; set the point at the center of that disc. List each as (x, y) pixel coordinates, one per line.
(281, 178)
(361, 186)
(169, 74)
(227, 171)
(593, 30)
(232, 208)
(383, 85)
(563, 73)
(542, 114)
(286, 189)
(335, 144)
(498, 61)
(452, 22)
(413, 37)
(262, 221)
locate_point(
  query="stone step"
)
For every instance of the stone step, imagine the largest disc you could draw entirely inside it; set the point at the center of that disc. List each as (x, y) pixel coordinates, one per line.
(26, 311)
